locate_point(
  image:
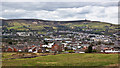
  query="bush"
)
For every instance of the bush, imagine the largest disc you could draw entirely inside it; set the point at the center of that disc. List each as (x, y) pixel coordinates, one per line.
(71, 51)
(94, 50)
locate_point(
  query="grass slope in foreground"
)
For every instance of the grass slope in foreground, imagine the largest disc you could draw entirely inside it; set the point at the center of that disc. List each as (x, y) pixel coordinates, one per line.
(65, 60)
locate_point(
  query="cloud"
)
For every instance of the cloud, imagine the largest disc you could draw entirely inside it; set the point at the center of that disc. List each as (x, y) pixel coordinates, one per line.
(105, 15)
(50, 6)
(59, 0)
(106, 12)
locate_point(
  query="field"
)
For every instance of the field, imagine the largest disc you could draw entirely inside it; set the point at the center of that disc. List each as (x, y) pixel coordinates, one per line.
(63, 60)
(42, 26)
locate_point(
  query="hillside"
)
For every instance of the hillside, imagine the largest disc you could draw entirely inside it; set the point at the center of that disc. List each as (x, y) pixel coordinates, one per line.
(43, 26)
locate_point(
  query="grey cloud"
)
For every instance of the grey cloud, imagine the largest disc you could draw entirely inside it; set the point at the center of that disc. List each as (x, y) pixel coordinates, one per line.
(52, 5)
(60, 10)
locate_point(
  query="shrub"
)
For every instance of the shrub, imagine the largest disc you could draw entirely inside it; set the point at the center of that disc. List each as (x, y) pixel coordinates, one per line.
(94, 50)
(71, 51)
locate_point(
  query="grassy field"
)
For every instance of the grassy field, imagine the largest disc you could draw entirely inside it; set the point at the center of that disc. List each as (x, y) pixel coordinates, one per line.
(63, 60)
(28, 25)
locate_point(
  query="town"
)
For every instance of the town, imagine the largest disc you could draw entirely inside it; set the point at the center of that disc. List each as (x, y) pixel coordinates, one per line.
(64, 33)
(60, 41)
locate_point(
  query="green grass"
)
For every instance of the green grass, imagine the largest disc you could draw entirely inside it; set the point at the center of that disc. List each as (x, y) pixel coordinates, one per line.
(23, 26)
(15, 27)
(65, 60)
(93, 25)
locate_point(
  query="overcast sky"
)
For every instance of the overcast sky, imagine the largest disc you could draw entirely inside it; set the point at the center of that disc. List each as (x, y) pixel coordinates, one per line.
(106, 11)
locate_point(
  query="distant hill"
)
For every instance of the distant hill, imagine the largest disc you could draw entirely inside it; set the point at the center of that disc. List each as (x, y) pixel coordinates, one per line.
(43, 26)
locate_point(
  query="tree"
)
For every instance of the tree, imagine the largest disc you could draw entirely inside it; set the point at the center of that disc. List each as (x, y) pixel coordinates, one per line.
(10, 43)
(66, 48)
(45, 42)
(90, 49)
